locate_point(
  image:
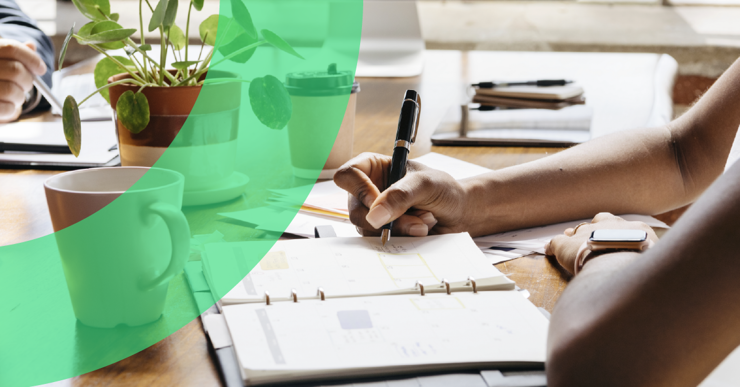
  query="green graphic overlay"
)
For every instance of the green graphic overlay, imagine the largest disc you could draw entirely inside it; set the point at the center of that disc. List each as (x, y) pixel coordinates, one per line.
(111, 285)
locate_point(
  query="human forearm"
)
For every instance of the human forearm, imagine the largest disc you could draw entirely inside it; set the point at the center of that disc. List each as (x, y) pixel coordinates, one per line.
(663, 318)
(628, 172)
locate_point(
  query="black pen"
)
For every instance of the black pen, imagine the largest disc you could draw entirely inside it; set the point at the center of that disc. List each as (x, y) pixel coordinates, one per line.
(539, 83)
(408, 126)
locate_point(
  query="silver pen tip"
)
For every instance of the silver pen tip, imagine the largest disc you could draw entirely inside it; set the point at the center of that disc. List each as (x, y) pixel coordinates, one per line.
(385, 236)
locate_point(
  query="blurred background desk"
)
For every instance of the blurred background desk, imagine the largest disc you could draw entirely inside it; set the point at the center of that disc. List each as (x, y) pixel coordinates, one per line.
(182, 359)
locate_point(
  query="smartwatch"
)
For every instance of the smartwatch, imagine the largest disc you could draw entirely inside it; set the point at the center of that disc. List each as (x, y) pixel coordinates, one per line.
(611, 241)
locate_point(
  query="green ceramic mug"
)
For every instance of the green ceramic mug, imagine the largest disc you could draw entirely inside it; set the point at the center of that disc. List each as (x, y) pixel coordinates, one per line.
(119, 250)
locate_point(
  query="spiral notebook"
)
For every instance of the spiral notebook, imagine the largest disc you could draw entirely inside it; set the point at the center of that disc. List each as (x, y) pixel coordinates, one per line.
(312, 340)
(348, 267)
(326, 309)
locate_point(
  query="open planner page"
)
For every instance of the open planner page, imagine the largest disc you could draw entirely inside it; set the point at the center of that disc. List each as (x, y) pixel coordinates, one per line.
(373, 336)
(345, 267)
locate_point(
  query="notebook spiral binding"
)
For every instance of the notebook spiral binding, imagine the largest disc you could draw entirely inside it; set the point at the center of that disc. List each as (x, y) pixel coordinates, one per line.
(294, 295)
(471, 281)
(419, 285)
(321, 294)
(446, 285)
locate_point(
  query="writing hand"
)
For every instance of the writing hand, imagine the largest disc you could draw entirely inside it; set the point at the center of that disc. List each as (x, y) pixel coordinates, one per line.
(426, 201)
(18, 64)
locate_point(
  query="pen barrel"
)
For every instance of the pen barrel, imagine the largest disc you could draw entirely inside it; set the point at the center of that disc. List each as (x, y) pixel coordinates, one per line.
(551, 82)
(397, 171)
(405, 136)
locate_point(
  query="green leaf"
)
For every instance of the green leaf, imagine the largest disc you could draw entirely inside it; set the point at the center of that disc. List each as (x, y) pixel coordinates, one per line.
(170, 14)
(71, 125)
(107, 68)
(198, 4)
(177, 37)
(93, 9)
(107, 36)
(230, 30)
(185, 64)
(104, 26)
(63, 52)
(133, 111)
(208, 30)
(114, 16)
(279, 43)
(145, 47)
(86, 30)
(242, 16)
(158, 15)
(240, 41)
(270, 101)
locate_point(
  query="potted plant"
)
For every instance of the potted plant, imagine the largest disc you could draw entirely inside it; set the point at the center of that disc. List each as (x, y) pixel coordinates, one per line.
(146, 92)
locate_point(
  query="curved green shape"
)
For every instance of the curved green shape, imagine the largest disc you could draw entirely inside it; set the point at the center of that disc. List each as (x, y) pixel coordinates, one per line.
(42, 340)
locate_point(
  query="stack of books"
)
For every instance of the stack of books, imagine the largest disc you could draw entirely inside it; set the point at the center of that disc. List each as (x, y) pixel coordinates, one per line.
(502, 114)
(530, 97)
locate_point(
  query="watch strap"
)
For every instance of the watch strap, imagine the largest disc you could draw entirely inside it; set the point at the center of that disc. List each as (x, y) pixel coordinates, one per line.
(585, 253)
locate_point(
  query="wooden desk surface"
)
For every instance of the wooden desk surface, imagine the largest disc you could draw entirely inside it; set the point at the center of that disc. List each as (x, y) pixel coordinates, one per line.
(182, 358)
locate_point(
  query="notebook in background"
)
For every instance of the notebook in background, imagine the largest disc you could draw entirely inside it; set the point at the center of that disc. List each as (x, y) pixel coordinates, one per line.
(465, 125)
(526, 103)
(315, 340)
(557, 93)
(99, 145)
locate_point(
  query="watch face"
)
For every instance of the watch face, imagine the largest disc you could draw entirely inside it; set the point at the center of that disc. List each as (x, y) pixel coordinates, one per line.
(618, 236)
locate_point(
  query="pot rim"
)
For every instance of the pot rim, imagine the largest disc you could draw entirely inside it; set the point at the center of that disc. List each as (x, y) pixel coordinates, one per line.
(128, 76)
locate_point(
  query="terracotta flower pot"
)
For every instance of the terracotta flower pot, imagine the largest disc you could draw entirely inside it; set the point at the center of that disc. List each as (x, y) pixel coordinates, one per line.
(199, 139)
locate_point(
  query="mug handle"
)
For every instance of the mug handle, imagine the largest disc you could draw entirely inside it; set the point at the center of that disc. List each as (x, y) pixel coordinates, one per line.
(180, 237)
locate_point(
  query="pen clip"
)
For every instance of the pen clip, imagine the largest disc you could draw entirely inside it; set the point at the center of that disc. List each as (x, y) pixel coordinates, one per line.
(418, 115)
(417, 101)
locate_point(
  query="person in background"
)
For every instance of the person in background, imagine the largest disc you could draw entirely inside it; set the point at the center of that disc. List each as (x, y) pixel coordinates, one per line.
(25, 51)
(664, 317)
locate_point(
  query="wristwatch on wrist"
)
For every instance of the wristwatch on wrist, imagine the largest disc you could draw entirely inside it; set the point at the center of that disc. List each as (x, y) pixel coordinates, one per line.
(611, 241)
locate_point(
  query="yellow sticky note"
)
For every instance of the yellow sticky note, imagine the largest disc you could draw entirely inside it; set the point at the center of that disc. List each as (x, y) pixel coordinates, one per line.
(274, 260)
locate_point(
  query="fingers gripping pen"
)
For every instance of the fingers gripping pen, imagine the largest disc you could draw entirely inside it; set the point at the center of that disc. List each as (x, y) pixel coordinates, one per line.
(408, 126)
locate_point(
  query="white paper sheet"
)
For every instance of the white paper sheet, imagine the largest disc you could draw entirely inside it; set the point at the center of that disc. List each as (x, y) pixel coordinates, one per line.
(332, 336)
(497, 254)
(350, 266)
(727, 374)
(80, 86)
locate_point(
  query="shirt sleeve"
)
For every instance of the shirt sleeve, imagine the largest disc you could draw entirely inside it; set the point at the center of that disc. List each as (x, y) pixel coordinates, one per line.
(16, 25)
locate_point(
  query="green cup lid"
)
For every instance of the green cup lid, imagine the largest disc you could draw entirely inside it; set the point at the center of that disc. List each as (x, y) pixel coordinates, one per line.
(322, 83)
